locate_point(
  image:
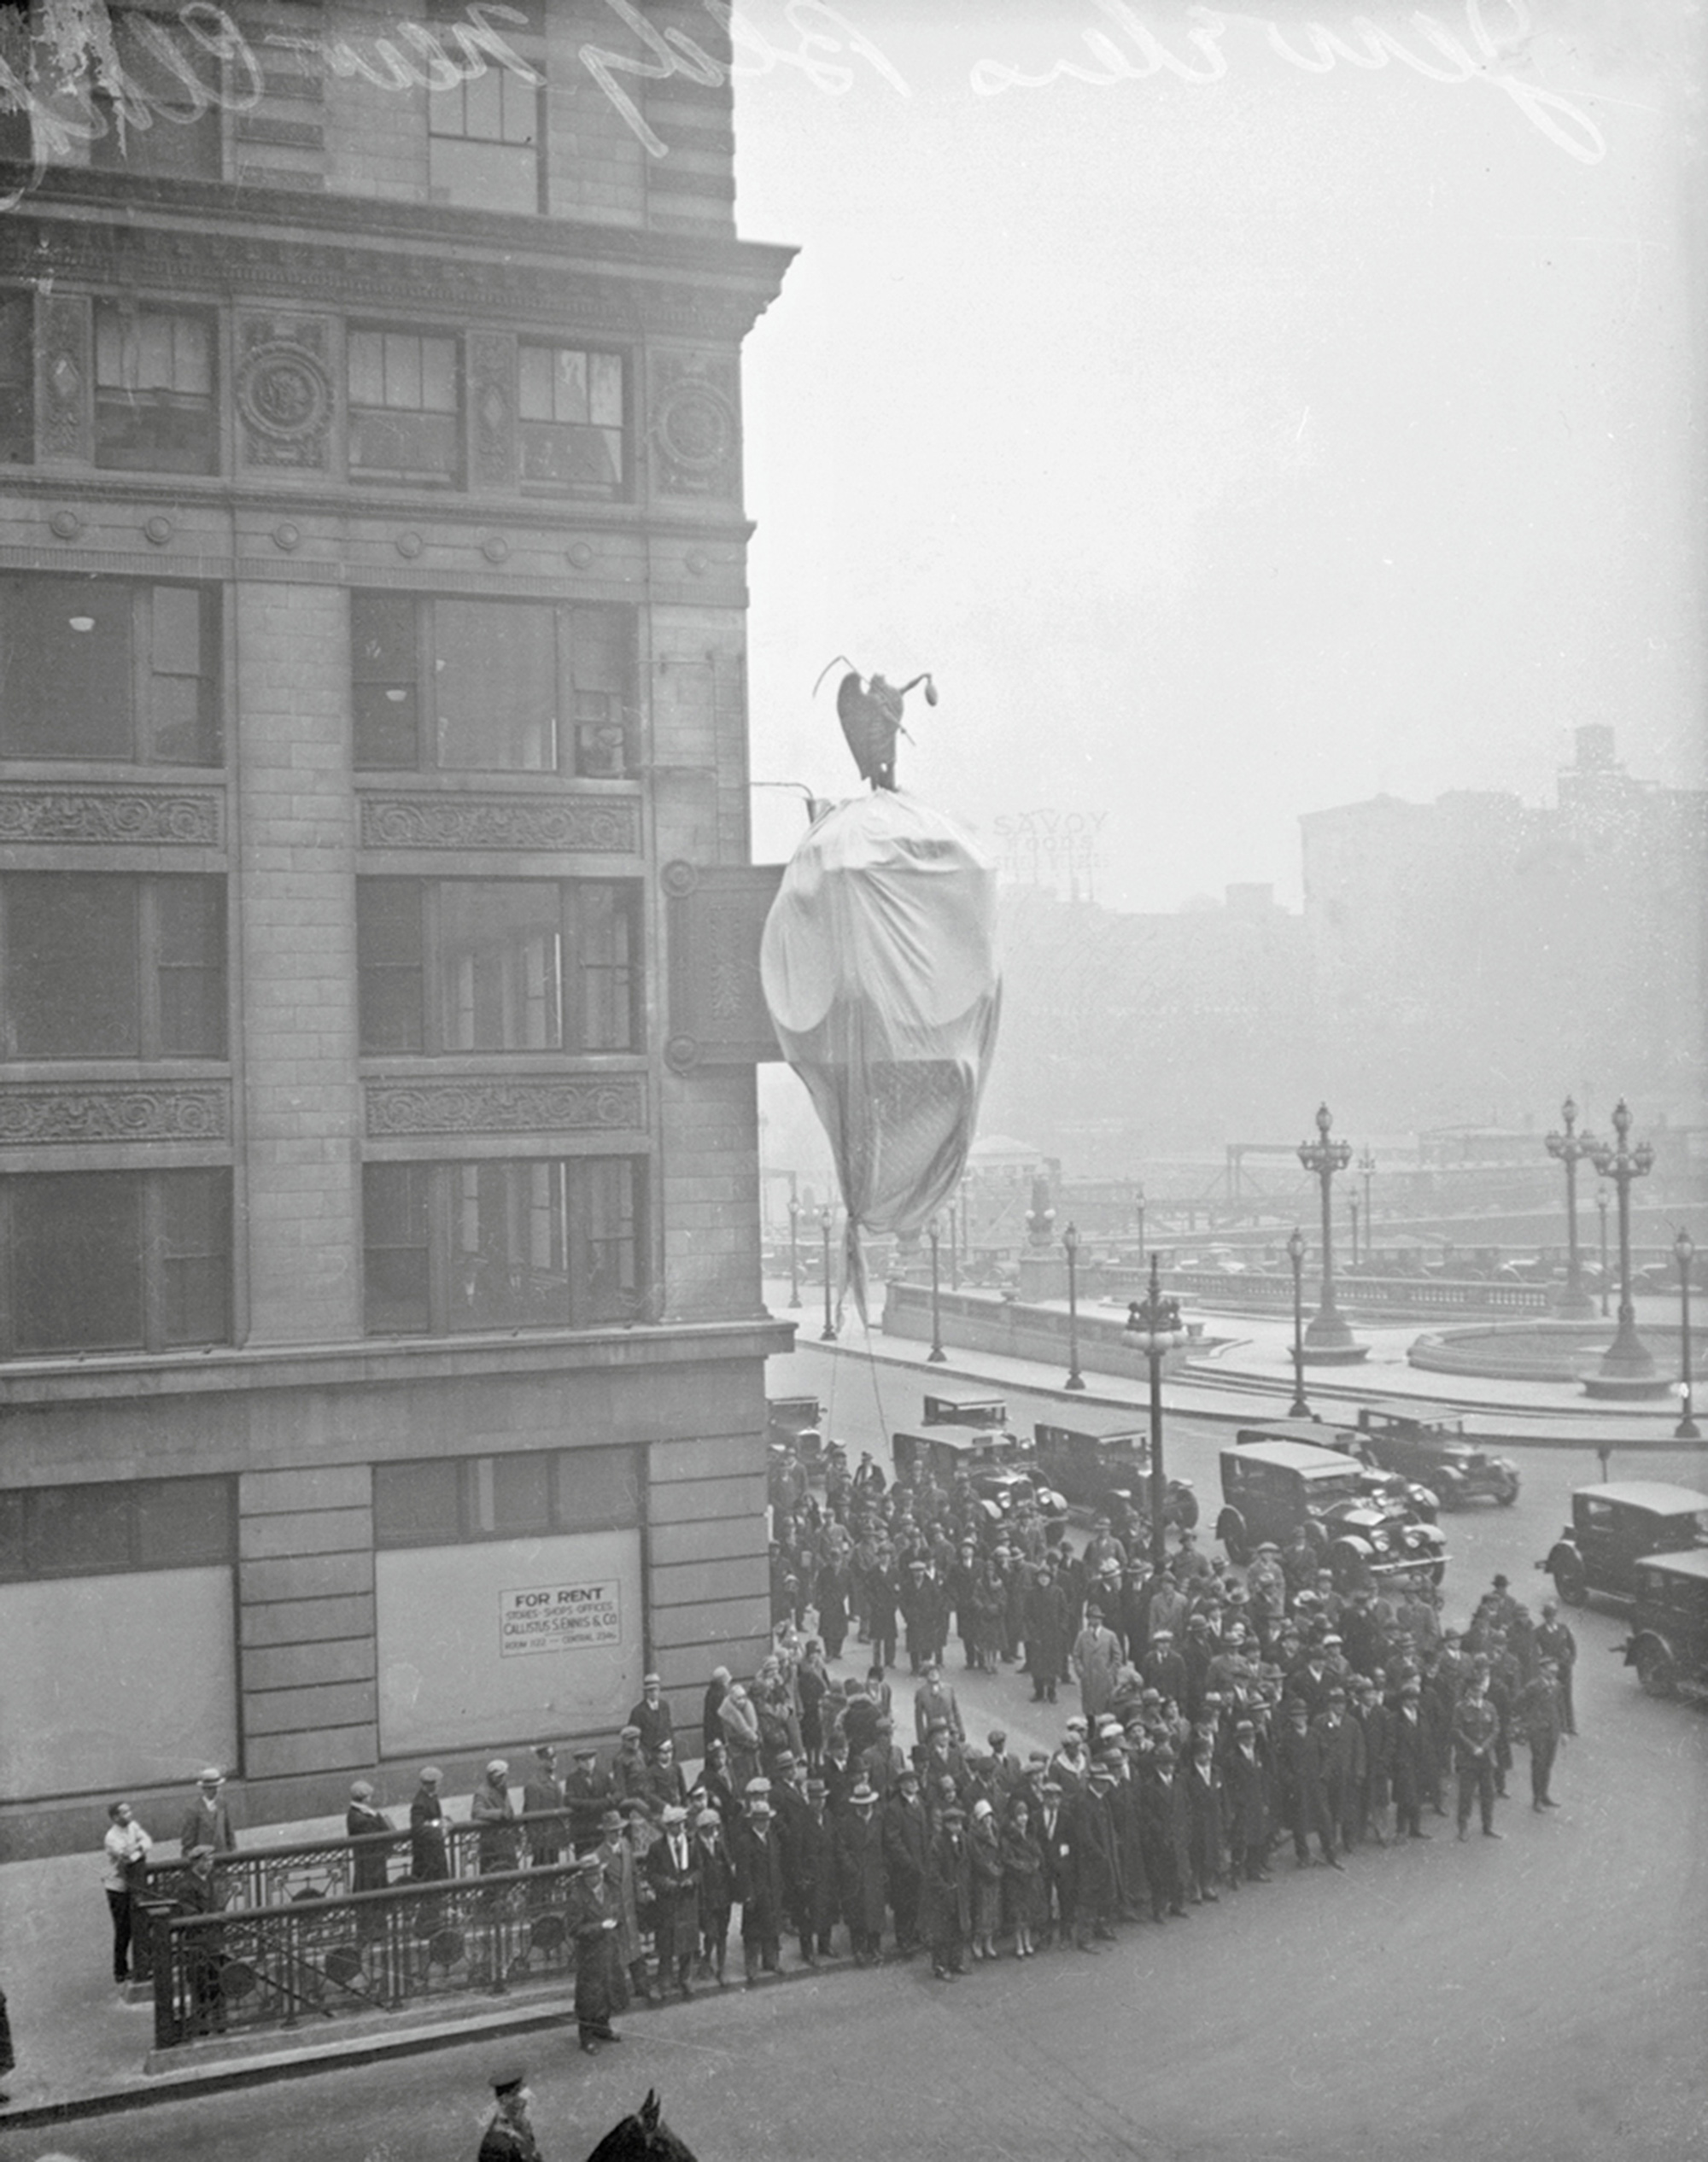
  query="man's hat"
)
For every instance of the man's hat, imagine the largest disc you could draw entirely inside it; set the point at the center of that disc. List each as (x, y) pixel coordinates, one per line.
(212, 1776)
(672, 1814)
(629, 1734)
(431, 1775)
(582, 1750)
(1501, 1583)
(756, 1786)
(611, 1820)
(498, 1769)
(816, 1790)
(1162, 1636)
(707, 1817)
(544, 1752)
(864, 1794)
(997, 1734)
(785, 1759)
(906, 1777)
(510, 2073)
(1050, 1786)
(647, 1680)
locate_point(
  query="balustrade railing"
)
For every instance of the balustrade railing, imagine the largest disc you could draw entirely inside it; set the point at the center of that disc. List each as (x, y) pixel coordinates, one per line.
(300, 1871)
(244, 1969)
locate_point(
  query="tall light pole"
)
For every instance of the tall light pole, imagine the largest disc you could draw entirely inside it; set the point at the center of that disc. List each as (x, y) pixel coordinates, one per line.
(1328, 1335)
(794, 1247)
(1352, 1208)
(1627, 1358)
(1366, 1171)
(1154, 1324)
(1570, 1147)
(1295, 1253)
(828, 1333)
(1601, 1204)
(1070, 1241)
(1685, 1247)
(936, 1355)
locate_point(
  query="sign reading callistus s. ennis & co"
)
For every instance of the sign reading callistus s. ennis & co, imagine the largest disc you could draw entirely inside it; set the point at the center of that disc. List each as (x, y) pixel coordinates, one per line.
(559, 1617)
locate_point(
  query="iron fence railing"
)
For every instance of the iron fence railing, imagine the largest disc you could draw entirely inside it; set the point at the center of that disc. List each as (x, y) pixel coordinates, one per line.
(244, 1969)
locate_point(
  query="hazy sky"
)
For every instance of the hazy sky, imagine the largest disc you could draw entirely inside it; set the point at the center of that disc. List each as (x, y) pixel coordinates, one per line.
(1230, 448)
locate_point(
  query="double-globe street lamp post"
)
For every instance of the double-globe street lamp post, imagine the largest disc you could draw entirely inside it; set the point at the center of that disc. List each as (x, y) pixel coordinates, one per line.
(1366, 1171)
(828, 1333)
(1153, 1323)
(795, 1250)
(1601, 1205)
(1570, 1147)
(936, 1355)
(1685, 1247)
(1328, 1335)
(1295, 1253)
(1627, 1358)
(1070, 1243)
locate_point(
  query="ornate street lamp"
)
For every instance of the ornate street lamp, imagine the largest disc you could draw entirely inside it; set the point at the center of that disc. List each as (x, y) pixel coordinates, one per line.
(795, 1250)
(1328, 1335)
(1601, 1204)
(1154, 1324)
(1627, 1358)
(1352, 1207)
(1574, 1302)
(1295, 1253)
(1366, 1171)
(828, 1333)
(1070, 1241)
(1685, 1247)
(936, 1355)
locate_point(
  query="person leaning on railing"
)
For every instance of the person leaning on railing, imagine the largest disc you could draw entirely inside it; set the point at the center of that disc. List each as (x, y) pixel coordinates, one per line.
(126, 1849)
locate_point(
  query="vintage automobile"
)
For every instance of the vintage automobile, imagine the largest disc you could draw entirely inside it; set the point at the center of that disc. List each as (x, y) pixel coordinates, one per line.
(1438, 1454)
(1615, 1526)
(1106, 1471)
(998, 1468)
(1668, 1641)
(985, 1412)
(1273, 1490)
(1385, 1489)
(793, 1423)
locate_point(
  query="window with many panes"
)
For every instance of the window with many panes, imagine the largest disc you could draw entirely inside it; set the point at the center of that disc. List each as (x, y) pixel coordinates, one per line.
(491, 686)
(109, 667)
(446, 1501)
(17, 380)
(572, 419)
(484, 142)
(498, 964)
(154, 409)
(104, 965)
(405, 408)
(106, 1529)
(114, 1261)
(527, 1244)
(168, 126)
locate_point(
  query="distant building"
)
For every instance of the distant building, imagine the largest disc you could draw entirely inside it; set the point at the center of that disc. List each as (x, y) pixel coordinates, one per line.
(381, 1350)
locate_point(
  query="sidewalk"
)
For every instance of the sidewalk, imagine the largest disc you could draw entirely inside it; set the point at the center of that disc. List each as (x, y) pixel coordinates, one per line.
(1248, 1375)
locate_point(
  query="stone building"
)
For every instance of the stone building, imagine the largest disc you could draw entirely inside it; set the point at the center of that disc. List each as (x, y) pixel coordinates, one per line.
(381, 1338)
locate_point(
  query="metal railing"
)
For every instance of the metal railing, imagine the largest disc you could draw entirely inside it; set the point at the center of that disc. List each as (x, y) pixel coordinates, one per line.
(300, 1871)
(243, 1969)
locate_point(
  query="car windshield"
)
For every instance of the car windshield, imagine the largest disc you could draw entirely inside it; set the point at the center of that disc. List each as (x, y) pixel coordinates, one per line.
(1345, 1486)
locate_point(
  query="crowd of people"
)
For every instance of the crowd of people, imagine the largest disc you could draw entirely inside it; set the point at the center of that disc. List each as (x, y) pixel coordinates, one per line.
(1223, 1714)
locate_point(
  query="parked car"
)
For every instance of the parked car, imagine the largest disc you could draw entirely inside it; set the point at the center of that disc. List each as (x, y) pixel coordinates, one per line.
(983, 1412)
(1375, 1484)
(1273, 1490)
(1437, 1455)
(1616, 1525)
(997, 1466)
(1100, 1470)
(793, 1423)
(1668, 1641)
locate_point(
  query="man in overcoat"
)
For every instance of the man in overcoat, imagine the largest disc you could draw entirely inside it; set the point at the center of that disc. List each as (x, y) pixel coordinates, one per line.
(862, 1878)
(907, 1838)
(949, 1895)
(673, 1872)
(756, 1855)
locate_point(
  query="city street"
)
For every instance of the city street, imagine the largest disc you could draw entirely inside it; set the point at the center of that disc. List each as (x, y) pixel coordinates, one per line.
(1543, 1996)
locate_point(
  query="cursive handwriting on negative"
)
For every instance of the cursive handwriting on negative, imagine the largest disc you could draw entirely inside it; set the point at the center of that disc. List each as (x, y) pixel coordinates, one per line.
(1133, 52)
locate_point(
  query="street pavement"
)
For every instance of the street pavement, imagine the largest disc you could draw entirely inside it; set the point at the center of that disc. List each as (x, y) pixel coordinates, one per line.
(1545, 1994)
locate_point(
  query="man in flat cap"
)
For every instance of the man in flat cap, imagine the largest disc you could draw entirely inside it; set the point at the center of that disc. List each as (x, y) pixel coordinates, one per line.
(653, 1716)
(508, 2136)
(542, 1804)
(207, 1820)
(491, 1809)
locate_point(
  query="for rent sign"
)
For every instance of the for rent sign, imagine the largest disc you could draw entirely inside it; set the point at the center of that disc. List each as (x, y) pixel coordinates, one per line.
(559, 1617)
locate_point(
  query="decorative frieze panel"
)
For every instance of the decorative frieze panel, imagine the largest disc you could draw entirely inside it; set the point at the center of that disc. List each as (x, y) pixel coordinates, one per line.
(492, 408)
(117, 817)
(65, 327)
(696, 440)
(578, 825)
(35, 1116)
(285, 399)
(544, 1107)
(717, 917)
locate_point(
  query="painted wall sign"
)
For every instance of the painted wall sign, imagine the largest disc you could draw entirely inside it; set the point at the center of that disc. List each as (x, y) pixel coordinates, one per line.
(559, 1617)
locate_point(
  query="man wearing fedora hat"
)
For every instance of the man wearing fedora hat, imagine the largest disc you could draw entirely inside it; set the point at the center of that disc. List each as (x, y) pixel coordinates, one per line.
(207, 1820)
(861, 1876)
(591, 1914)
(755, 1854)
(673, 1872)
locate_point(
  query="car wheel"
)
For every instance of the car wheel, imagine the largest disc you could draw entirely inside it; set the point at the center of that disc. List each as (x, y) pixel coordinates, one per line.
(1656, 1672)
(1230, 1530)
(1182, 1508)
(1438, 1573)
(1568, 1582)
(1507, 1495)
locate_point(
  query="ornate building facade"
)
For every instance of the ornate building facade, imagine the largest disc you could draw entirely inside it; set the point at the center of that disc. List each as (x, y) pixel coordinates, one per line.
(381, 1338)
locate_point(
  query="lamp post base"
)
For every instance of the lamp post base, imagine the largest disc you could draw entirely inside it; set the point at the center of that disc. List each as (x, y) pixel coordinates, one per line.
(1329, 1341)
(1075, 1380)
(937, 1356)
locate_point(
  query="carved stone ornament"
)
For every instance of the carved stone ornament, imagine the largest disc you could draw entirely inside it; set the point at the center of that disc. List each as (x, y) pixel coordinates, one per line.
(694, 434)
(110, 816)
(285, 392)
(577, 824)
(492, 400)
(112, 1111)
(506, 1107)
(65, 333)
